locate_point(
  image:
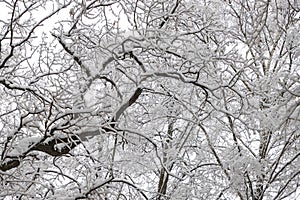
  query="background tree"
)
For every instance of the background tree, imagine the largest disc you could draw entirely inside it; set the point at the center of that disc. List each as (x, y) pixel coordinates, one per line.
(183, 99)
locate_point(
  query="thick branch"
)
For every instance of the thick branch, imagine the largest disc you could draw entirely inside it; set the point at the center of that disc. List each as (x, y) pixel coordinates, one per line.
(50, 145)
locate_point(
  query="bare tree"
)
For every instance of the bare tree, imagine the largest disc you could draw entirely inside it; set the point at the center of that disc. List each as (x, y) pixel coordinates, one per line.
(181, 99)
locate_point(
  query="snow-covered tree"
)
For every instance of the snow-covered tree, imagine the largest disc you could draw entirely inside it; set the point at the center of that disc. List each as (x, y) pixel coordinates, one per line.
(150, 99)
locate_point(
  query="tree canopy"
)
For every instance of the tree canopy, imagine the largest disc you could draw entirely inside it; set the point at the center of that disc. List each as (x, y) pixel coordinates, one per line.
(150, 99)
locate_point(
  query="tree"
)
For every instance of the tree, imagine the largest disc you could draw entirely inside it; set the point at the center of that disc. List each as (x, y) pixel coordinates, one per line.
(183, 99)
